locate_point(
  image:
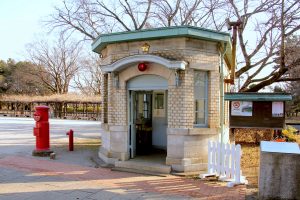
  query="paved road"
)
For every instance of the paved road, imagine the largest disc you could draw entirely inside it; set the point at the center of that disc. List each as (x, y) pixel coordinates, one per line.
(17, 138)
(74, 175)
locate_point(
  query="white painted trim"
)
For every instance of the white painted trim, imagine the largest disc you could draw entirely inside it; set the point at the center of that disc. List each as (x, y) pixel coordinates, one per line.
(124, 62)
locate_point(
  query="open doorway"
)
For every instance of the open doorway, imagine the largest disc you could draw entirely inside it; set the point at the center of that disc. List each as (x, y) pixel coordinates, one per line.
(148, 123)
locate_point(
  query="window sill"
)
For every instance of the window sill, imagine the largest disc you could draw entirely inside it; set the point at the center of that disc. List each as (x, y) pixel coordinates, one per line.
(200, 126)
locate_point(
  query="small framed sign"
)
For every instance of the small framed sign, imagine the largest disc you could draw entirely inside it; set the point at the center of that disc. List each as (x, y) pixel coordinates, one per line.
(277, 109)
(241, 108)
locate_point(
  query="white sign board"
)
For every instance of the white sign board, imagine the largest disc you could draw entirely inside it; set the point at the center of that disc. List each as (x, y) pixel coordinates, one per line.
(277, 109)
(241, 108)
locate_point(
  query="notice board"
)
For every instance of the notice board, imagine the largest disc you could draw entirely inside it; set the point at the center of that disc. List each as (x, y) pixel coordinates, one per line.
(256, 114)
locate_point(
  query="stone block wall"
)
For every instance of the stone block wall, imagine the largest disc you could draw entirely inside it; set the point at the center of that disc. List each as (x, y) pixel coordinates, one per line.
(104, 96)
(187, 148)
(201, 55)
(214, 99)
(117, 103)
(181, 102)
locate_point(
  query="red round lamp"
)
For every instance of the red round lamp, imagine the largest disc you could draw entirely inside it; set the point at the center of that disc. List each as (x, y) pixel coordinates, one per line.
(142, 67)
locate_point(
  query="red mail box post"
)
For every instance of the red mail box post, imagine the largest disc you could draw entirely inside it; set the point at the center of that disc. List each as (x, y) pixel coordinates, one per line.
(71, 140)
(41, 131)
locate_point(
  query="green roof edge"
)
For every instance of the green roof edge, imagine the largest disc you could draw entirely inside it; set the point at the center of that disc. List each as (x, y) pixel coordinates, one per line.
(258, 96)
(159, 33)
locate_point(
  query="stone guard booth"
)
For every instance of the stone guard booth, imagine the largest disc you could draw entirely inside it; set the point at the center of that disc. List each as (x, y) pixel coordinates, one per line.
(161, 93)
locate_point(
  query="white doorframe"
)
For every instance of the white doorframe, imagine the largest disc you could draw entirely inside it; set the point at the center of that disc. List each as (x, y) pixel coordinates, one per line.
(131, 130)
(146, 82)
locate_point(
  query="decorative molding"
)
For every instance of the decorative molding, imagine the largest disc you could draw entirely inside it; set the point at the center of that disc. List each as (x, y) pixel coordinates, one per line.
(125, 62)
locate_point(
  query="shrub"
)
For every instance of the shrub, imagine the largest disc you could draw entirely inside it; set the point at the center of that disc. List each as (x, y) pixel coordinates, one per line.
(289, 133)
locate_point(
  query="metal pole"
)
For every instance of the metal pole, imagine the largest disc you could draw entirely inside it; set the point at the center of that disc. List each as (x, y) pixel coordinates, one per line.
(222, 93)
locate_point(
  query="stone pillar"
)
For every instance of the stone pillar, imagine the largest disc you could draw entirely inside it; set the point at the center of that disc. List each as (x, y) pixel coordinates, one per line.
(180, 124)
(213, 99)
(104, 98)
(187, 145)
(181, 102)
(109, 98)
(117, 136)
(105, 148)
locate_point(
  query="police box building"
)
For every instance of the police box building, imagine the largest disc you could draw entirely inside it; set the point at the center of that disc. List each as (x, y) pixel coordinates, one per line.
(161, 95)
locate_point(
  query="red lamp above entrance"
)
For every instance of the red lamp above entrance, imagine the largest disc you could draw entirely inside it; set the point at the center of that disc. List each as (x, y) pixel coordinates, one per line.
(142, 66)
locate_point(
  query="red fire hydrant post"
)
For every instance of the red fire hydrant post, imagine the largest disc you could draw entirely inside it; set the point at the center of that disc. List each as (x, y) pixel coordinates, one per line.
(41, 131)
(70, 133)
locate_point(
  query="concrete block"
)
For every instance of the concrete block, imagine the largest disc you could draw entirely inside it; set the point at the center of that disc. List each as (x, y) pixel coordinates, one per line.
(203, 131)
(186, 161)
(190, 168)
(106, 159)
(104, 151)
(172, 161)
(177, 131)
(279, 176)
(175, 151)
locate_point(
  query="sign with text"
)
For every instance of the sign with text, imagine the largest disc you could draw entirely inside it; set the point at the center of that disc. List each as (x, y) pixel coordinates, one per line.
(241, 108)
(277, 109)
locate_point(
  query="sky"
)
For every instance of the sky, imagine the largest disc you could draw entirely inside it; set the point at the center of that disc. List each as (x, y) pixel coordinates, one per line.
(21, 23)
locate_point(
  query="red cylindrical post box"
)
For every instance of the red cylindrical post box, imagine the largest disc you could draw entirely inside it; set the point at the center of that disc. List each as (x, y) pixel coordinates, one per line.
(41, 131)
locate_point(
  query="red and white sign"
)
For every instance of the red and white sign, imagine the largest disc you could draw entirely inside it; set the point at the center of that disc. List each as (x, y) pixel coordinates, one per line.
(241, 108)
(236, 104)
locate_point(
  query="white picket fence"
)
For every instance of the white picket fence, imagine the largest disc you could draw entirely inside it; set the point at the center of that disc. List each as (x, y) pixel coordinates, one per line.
(224, 161)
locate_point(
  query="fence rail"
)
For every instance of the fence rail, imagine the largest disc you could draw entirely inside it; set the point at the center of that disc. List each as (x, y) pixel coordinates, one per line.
(224, 161)
(62, 110)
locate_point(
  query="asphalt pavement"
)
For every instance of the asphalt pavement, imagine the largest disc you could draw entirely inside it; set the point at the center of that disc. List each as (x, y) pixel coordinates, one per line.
(76, 175)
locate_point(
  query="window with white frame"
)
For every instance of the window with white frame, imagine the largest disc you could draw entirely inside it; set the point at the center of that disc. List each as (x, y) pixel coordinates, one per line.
(200, 98)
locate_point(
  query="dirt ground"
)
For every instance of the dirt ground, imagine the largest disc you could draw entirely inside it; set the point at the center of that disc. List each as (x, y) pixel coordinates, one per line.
(250, 168)
(250, 162)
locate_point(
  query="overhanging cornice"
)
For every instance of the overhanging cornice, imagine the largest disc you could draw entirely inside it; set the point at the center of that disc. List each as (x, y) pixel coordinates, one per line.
(159, 33)
(125, 62)
(255, 96)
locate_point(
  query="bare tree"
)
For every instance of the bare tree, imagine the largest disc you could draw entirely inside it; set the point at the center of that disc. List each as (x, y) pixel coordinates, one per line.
(89, 77)
(202, 13)
(57, 63)
(94, 17)
(91, 18)
(261, 62)
(292, 49)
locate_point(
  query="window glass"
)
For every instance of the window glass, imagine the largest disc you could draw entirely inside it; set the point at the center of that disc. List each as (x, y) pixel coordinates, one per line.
(200, 98)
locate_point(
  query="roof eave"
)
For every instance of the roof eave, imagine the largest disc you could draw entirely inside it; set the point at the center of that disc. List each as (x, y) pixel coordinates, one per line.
(258, 97)
(151, 34)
